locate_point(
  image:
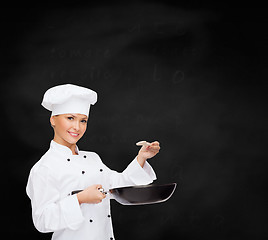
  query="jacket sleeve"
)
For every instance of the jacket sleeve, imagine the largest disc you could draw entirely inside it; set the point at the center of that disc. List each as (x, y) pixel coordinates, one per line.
(134, 174)
(49, 212)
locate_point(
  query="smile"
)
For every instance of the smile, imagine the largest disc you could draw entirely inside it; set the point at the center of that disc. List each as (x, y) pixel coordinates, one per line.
(73, 134)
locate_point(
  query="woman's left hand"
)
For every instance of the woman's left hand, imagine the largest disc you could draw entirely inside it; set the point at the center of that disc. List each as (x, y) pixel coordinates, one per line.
(147, 152)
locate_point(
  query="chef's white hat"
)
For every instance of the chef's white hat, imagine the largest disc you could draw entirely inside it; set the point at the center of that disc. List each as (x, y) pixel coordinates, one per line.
(69, 98)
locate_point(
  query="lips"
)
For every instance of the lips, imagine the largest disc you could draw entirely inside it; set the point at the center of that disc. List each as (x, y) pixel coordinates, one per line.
(73, 134)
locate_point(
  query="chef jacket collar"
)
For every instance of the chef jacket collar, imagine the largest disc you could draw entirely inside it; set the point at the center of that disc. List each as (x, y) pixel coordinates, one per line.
(62, 149)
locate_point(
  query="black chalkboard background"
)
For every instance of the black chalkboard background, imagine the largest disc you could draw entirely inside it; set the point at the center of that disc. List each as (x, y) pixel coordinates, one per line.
(192, 78)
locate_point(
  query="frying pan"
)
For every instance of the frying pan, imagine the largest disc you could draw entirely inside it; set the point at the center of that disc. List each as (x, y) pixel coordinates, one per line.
(142, 194)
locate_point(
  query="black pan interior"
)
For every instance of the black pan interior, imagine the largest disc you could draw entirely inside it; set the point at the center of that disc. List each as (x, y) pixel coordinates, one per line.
(144, 194)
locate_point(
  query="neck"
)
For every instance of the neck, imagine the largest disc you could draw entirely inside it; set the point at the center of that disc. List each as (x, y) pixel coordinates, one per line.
(65, 143)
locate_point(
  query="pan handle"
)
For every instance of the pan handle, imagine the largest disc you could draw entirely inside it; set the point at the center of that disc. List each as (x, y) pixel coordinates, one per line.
(77, 191)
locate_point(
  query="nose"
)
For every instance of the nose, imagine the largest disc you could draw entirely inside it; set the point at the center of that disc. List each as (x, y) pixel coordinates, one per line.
(76, 126)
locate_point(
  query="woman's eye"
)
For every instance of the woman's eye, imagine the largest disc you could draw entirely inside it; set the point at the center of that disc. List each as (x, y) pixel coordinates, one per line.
(84, 121)
(70, 118)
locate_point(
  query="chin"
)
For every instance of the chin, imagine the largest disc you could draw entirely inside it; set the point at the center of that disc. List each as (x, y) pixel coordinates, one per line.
(71, 141)
(74, 141)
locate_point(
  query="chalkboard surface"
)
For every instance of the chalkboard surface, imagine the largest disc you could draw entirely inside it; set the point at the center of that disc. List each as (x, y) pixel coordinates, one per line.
(192, 78)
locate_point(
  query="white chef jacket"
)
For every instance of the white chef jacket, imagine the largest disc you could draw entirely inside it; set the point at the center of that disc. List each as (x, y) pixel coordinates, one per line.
(58, 173)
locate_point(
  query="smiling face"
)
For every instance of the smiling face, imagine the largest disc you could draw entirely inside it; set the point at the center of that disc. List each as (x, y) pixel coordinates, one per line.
(68, 128)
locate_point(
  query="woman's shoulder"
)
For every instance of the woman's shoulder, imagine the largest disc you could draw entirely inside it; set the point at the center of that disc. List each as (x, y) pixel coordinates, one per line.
(46, 161)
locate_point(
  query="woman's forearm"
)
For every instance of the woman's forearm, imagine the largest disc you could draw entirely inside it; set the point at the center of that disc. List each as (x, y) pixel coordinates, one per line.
(141, 160)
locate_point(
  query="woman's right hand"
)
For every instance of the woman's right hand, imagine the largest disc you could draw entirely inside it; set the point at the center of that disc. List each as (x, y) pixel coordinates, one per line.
(91, 194)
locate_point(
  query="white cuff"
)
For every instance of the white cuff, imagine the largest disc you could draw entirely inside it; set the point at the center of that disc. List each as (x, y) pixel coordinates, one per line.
(71, 212)
(139, 175)
(149, 170)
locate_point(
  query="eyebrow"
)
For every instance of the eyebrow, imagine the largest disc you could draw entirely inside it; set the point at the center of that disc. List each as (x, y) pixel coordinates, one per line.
(76, 117)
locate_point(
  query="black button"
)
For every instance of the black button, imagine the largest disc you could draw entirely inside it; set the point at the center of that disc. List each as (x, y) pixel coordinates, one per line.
(68, 159)
(109, 216)
(111, 238)
(83, 172)
(101, 170)
(85, 156)
(91, 220)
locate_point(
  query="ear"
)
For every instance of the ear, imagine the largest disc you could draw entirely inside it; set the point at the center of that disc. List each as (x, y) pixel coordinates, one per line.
(52, 121)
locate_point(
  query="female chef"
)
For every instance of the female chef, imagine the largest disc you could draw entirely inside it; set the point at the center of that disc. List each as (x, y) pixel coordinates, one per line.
(64, 168)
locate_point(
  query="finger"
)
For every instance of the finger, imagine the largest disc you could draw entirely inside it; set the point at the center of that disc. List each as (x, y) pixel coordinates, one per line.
(155, 143)
(101, 196)
(98, 186)
(152, 151)
(153, 148)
